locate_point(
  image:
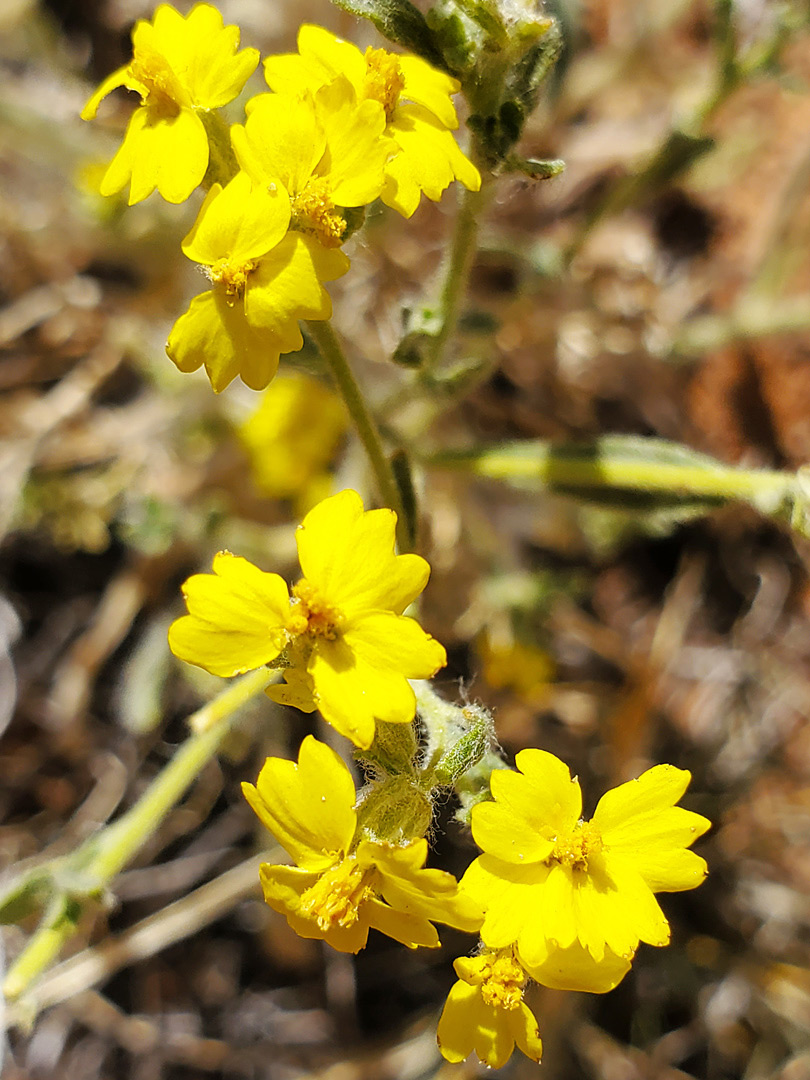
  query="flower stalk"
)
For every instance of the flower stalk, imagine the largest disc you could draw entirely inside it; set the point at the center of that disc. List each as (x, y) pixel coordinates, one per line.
(332, 352)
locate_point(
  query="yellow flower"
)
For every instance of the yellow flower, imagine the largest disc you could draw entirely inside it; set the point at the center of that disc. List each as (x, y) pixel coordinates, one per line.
(263, 277)
(327, 150)
(181, 67)
(549, 879)
(350, 648)
(485, 1012)
(416, 100)
(343, 884)
(292, 437)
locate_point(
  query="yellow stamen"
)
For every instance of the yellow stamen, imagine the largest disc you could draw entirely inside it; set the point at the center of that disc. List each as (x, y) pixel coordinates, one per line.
(502, 980)
(384, 82)
(232, 276)
(578, 846)
(314, 211)
(313, 615)
(162, 93)
(336, 896)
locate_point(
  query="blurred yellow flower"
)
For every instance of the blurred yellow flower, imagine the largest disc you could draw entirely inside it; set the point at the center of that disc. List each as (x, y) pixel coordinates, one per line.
(292, 438)
(344, 884)
(350, 649)
(485, 1012)
(181, 67)
(549, 879)
(414, 96)
(525, 669)
(326, 148)
(263, 278)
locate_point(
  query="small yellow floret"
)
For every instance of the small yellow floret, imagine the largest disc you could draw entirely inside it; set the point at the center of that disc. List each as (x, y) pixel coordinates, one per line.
(502, 980)
(384, 81)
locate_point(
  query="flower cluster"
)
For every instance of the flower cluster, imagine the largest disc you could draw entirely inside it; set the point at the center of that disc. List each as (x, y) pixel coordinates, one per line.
(341, 638)
(338, 130)
(556, 900)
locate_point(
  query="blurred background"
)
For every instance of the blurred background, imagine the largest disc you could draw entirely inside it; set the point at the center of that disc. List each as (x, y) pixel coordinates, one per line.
(659, 287)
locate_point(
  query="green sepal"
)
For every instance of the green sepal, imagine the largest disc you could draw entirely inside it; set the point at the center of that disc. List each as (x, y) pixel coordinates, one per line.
(400, 22)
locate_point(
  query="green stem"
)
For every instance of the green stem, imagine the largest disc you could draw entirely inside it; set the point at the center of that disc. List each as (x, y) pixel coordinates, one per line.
(97, 861)
(365, 424)
(459, 263)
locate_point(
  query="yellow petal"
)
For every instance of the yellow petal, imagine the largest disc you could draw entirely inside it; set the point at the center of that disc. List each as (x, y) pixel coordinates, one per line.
(290, 74)
(430, 88)
(428, 161)
(575, 969)
(308, 806)
(170, 154)
(668, 870)
(348, 554)
(389, 642)
(281, 140)
(297, 690)
(524, 1030)
(409, 929)
(509, 896)
(236, 618)
(542, 793)
(341, 693)
(408, 887)
(215, 334)
(331, 55)
(286, 286)
(239, 222)
(219, 653)
(355, 152)
(498, 829)
(215, 73)
(121, 77)
(458, 1022)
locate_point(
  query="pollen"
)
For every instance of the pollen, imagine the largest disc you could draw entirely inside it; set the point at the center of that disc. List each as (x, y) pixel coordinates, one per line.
(313, 615)
(577, 847)
(313, 211)
(384, 81)
(232, 276)
(336, 896)
(502, 980)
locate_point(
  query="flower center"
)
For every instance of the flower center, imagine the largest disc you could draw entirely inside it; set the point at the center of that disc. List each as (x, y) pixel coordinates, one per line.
(314, 211)
(336, 896)
(580, 845)
(164, 95)
(313, 615)
(384, 82)
(502, 980)
(232, 276)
